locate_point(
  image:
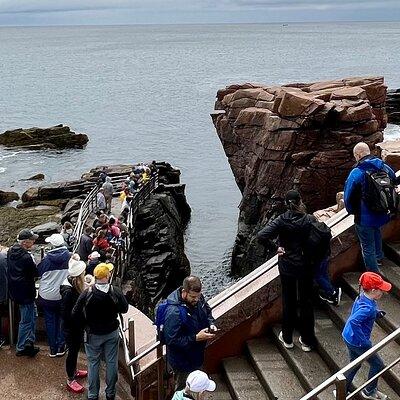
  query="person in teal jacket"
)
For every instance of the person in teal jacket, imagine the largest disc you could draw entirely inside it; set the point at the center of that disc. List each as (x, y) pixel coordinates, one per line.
(197, 383)
(358, 328)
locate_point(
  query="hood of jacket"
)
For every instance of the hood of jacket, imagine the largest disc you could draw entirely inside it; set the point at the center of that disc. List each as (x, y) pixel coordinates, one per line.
(370, 162)
(58, 256)
(297, 219)
(175, 297)
(17, 251)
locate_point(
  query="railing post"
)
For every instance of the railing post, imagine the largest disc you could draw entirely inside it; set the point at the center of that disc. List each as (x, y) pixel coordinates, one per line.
(340, 383)
(132, 345)
(11, 321)
(160, 373)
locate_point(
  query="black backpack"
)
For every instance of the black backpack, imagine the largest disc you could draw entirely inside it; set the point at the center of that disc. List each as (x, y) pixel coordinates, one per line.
(379, 192)
(318, 242)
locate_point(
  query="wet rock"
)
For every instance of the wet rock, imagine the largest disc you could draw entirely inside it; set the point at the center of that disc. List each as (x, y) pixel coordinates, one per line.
(37, 177)
(55, 137)
(303, 138)
(7, 197)
(45, 230)
(158, 264)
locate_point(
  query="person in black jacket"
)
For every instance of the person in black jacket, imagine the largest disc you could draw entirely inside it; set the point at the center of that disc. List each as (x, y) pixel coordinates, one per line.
(86, 244)
(296, 272)
(187, 327)
(100, 306)
(70, 291)
(3, 290)
(21, 273)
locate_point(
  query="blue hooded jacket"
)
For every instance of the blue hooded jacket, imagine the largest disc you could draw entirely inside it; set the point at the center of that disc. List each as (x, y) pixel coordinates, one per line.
(353, 190)
(183, 352)
(358, 328)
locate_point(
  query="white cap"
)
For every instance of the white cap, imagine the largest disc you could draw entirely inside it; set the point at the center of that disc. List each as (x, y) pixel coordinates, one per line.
(94, 255)
(198, 382)
(56, 239)
(76, 266)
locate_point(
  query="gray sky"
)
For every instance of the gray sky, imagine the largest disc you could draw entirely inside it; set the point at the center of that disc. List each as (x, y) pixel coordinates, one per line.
(66, 12)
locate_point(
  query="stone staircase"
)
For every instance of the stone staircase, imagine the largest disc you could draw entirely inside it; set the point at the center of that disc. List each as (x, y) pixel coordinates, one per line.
(266, 370)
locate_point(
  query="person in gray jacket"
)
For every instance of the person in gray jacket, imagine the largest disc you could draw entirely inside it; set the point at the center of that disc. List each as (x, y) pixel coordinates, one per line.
(108, 191)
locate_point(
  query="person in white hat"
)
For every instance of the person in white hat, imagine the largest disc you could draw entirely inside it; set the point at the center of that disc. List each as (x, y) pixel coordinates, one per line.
(53, 270)
(70, 290)
(196, 384)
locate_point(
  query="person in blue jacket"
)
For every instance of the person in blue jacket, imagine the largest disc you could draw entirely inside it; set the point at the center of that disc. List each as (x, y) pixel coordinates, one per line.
(186, 333)
(358, 328)
(367, 223)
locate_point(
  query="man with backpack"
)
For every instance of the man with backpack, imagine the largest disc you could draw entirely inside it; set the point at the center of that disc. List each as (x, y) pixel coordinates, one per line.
(184, 323)
(99, 306)
(370, 195)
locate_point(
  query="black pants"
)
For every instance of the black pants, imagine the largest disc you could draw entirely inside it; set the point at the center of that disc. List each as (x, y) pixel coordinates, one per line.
(73, 342)
(298, 293)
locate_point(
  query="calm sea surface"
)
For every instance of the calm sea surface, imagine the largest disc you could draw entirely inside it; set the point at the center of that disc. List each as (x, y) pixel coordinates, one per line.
(145, 92)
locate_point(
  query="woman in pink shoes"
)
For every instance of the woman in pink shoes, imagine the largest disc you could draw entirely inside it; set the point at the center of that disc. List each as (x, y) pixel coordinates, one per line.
(70, 290)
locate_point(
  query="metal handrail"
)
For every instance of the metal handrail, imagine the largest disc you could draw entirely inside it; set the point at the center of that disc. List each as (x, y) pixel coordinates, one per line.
(247, 280)
(332, 380)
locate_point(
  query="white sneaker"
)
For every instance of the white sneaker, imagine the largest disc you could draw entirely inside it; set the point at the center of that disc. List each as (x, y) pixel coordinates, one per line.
(304, 346)
(287, 345)
(334, 393)
(377, 395)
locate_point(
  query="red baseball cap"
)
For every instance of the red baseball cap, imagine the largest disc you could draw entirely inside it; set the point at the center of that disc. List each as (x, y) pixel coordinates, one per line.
(371, 280)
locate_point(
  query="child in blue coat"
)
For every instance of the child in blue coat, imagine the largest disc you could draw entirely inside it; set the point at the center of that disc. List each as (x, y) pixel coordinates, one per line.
(358, 328)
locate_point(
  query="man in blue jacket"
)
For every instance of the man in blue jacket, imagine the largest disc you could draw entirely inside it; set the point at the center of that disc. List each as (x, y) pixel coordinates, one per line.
(187, 327)
(367, 222)
(21, 273)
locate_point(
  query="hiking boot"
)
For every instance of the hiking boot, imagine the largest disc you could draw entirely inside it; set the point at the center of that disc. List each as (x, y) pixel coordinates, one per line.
(287, 345)
(377, 395)
(75, 387)
(304, 347)
(80, 374)
(61, 351)
(29, 351)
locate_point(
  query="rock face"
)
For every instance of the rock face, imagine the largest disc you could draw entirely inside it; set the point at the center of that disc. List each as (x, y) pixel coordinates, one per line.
(393, 106)
(7, 197)
(158, 264)
(300, 136)
(55, 137)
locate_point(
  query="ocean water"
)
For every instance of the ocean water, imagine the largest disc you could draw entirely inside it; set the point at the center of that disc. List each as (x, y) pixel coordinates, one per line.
(145, 92)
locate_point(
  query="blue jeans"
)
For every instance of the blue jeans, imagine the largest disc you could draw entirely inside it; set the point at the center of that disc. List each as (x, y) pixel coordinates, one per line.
(371, 246)
(27, 324)
(322, 278)
(375, 362)
(97, 346)
(54, 326)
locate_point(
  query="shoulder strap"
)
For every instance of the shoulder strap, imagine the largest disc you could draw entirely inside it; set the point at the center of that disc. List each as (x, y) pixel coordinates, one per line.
(89, 295)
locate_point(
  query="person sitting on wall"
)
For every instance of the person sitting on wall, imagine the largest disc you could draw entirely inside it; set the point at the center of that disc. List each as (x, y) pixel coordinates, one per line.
(186, 340)
(358, 201)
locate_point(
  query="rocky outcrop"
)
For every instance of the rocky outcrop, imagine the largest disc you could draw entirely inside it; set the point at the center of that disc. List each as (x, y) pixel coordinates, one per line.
(7, 197)
(55, 137)
(37, 177)
(158, 264)
(393, 106)
(298, 135)
(390, 153)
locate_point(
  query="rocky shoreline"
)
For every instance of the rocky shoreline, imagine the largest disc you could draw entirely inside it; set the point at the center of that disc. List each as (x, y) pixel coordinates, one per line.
(299, 135)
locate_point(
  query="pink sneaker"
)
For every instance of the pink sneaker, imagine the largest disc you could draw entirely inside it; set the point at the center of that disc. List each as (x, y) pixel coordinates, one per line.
(80, 373)
(75, 387)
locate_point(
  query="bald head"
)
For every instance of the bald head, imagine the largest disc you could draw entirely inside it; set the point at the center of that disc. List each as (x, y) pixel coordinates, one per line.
(361, 150)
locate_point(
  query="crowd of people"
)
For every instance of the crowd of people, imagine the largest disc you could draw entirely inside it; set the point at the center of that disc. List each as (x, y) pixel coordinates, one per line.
(81, 306)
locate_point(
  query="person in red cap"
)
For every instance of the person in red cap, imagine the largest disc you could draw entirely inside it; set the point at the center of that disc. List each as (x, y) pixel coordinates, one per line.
(358, 328)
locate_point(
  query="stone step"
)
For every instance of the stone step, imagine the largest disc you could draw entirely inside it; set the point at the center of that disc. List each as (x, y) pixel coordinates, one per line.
(391, 272)
(279, 381)
(389, 353)
(333, 350)
(392, 251)
(389, 303)
(242, 380)
(309, 367)
(221, 392)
